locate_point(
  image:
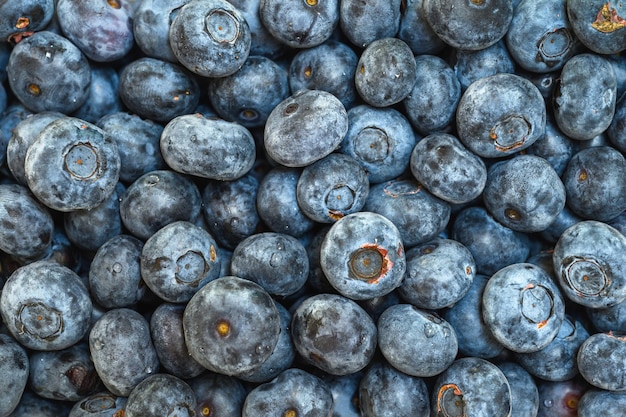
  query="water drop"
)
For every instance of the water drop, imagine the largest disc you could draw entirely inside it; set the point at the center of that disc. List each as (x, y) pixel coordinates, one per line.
(429, 330)
(548, 403)
(117, 267)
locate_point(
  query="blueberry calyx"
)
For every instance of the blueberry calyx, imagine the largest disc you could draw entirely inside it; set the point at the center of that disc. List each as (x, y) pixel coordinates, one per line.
(370, 263)
(82, 162)
(586, 276)
(537, 304)
(222, 26)
(40, 320)
(510, 133)
(450, 401)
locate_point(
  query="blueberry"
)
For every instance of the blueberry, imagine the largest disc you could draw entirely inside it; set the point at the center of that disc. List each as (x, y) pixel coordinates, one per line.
(305, 127)
(207, 147)
(363, 23)
(362, 256)
(151, 25)
(380, 139)
(415, 341)
(217, 394)
(438, 274)
(178, 260)
(159, 198)
(386, 72)
(161, 394)
(302, 24)
(448, 169)
(26, 225)
(210, 37)
(596, 402)
(262, 43)
(500, 114)
(231, 326)
(596, 23)
(470, 66)
(32, 404)
(345, 392)
(48, 72)
(554, 147)
(330, 67)
(583, 105)
(73, 165)
(524, 392)
(617, 129)
(608, 319)
(14, 368)
(249, 95)
(416, 31)
(103, 96)
(473, 387)
(122, 350)
(101, 404)
(456, 22)
(9, 119)
(292, 393)
(25, 17)
(334, 334)
(418, 215)
(178, 91)
(385, 392)
(115, 274)
(588, 262)
(601, 361)
(332, 188)
(559, 399)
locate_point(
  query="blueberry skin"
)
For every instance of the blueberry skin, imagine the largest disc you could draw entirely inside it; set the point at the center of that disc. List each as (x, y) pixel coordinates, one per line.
(595, 402)
(362, 256)
(380, 139)
(277, 202)
(23, 17)
(276, 261)
(560, 398)
(304, 128)
(229, 209)
(470, 66)
(554, 147)
(293, 392)
(178, 260)
(363, 23)
(210, 38)
(161, 394)
(455, 22)
(492, 244)
(473, 387)
(207, 147)
(137, 143)
(103, 31)
(540, 37)
(66, 374)
(415, 341)
(249, 95)
(330, 67)
(35, 319)
(524, 392)
(418, 215)
(103, 96)
(438, 274)
(217, 394)
(416, 31)
(151, 26)
(500, 114)
(73, 165)
(231, 326)
(617, 129)
(584, 105)
(33, 405)
(385, 392)
(317, 279)
(157, 199)
(608, 319)
(300, 24)
(588, 262)
(9, 119)
(26, 225)
(524, 193)
(115, 273)
(386, 72)
(596, 24)
(432, 102)
(473, 335)
(14, 368)
(334, 334)
(122, 350)
(262, 42)
(47, 72)
(594, 183)
(601, 361)
(102, 404)
(177, 92)
(331, 188)
(442, 164)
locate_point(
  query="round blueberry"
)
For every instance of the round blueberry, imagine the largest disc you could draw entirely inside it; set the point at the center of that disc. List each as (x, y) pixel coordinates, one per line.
(159, 395)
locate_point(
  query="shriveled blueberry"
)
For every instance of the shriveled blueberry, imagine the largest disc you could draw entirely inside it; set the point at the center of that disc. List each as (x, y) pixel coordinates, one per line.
(102, 404)
(207, 147)
(217, 394)
(470, 66)
(595, 402)
(601, 361)
(161, 395)
(363, 23)
(151, 26)
(386, 72)
(334, 334)
(122, 350)
(14, 368)
(292, 393)
(362, 256)
(231, 326)
(416, 31)
(38, 320)
(305, 127)
(24, 17)
(597, 24)
(416, 342)
(588, 262)
(210, 37)
(524, 392)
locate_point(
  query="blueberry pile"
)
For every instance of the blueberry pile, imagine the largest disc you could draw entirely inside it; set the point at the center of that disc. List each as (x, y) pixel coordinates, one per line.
(312, 208)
